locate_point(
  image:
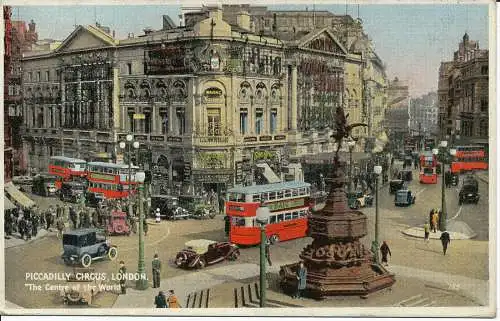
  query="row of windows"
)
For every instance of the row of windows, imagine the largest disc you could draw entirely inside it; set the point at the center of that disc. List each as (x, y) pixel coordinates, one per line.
(109, 187)
(259, 122)
(38, 76)
(79, 167)
(273, 218)
(271, 196)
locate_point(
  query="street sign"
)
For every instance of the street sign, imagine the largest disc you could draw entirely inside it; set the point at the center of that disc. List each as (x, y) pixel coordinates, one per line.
(139, 116)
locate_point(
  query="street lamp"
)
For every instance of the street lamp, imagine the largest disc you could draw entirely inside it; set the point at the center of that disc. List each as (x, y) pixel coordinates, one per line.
(375, 245)
(262, 217)
(351, 144)
(142, 283)
(444, 160)
(126, 145)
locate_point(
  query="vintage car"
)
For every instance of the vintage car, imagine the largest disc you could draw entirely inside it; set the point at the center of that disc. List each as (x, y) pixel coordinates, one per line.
(200, 253)
(72, 191)
(197, 206)
(358, 199)
(395, 185)
(80, 289)
(406, 175)
(82, 246)
(22, 180)
(169, 207)
(44, 185)
(468, 193)
(404, 198)
(117, 224)
(408, 161)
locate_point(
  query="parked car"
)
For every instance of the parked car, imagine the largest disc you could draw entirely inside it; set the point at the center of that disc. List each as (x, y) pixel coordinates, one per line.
(72, 191)
(82, 246)
(408, 161)
(358, 199)
(395, 185)
(44, 184)
(22, 180)
(117, 223)
(404, 198)
(80, 290)
(200, 253)
(196, 206)
(468, 193)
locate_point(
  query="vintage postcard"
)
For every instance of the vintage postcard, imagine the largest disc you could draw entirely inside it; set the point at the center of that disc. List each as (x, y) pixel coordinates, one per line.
(249, 158)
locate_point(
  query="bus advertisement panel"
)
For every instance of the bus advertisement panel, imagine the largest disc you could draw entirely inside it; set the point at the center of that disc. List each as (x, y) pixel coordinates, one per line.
(288, 203)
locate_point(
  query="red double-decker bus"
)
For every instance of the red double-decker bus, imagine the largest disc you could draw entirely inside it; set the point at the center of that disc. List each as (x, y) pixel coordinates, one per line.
(428, 168)
(67, 168)
(289, 206)
(110, 180)
(469, 158)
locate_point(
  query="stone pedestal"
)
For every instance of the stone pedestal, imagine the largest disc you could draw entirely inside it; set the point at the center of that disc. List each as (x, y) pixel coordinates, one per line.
(337, 262)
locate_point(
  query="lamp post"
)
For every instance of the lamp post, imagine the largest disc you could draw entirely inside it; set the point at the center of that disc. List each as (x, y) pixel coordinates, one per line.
(351, 145)
(142, 283)
(126, 147)
(375, 245)
(444, 158)
(262, 217)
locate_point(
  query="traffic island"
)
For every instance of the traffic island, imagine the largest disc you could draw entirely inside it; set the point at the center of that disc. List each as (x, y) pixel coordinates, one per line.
(458, 230)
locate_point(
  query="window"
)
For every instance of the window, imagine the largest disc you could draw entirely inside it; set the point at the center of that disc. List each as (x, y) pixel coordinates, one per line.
(213, 122)
(272, 219)
(47, 75)
(272, 195)
(484, 70)
(243, 121)
(288, 193)
(288, 216)
(30, 76)
(129, 68)
(238, 221)
(295, 215)
(273, 121)
(256, 197)
(258, 121)
(280, 217)
(38, 76)
(131, 122)
(182, 123)
(484, 104)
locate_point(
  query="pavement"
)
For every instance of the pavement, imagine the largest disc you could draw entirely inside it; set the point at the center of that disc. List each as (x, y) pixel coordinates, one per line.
(15, 239)
(473, 289)
(458, 230)
(483, 175)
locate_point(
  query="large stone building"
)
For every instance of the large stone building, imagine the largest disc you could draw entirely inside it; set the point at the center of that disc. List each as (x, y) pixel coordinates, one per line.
(397, 115)
(8, 165)
(424, 115)
(463, 94)
(208, 100)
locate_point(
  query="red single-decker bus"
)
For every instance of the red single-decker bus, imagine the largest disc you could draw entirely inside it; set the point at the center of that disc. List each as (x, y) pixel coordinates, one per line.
(289, 206)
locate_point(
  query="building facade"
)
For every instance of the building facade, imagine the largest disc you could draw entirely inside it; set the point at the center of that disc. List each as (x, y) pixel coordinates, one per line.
(424, 115)
(397, 113)
(463, 93)
(207, 100)
(8, 166)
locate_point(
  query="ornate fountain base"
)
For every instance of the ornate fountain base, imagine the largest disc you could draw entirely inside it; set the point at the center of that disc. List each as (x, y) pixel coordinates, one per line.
(361, 280)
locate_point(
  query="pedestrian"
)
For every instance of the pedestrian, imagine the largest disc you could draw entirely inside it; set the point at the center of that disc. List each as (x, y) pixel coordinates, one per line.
(145, 227)
(158, 216)
(95, 219)
(28, 229)
(59, 211)
(301, 280)
(268, 253)
(122, 271)
(34, 225)
(427, 230)
(160, 300)
(172, 301)
(227, 224)
(21, 227)
(445, 240)
(48, 219)
(385, 250)
(73, 216)
(156, 264)
(435, 220)
(60, 227)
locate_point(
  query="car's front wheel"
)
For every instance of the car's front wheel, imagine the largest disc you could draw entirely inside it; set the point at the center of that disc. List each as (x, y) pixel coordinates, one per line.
(201, 263)
(274, 239)
(234, 256)
(112, 253)
(86, 260)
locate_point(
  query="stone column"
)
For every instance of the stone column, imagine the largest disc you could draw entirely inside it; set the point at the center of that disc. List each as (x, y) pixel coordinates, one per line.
(97, 105)
(63, 98)
(153, 118)
(294, 99)
(116, 94)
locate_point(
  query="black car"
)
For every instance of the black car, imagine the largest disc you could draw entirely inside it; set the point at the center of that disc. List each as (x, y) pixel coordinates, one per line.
(406, 175)
(468, 193)
(93, 199)
(86, 245)
(72, 191)
(395, 185)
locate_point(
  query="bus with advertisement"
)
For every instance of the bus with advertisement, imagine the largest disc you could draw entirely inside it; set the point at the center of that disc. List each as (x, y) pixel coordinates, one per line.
(288, 203)
(469, 158)
(110, 180)
(428, 168)
(67, 169)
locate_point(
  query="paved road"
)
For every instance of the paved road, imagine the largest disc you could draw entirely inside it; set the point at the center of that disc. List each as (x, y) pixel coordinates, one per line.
(467, 258)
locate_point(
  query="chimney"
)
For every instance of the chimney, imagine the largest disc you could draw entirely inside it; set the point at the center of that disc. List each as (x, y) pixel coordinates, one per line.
(243, 20)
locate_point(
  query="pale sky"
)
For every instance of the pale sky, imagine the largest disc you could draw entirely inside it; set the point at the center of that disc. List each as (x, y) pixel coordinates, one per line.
(412, 40)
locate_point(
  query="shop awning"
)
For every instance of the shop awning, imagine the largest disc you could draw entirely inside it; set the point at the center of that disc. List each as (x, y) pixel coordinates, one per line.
(7, 204)
(18, 196)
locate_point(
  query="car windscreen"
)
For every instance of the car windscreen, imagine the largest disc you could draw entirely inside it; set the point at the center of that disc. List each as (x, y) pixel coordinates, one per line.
(402, 197)
(428, 171)
(469, 189)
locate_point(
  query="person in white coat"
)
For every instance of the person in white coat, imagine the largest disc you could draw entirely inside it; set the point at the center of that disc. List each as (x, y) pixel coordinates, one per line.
(157, 215)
